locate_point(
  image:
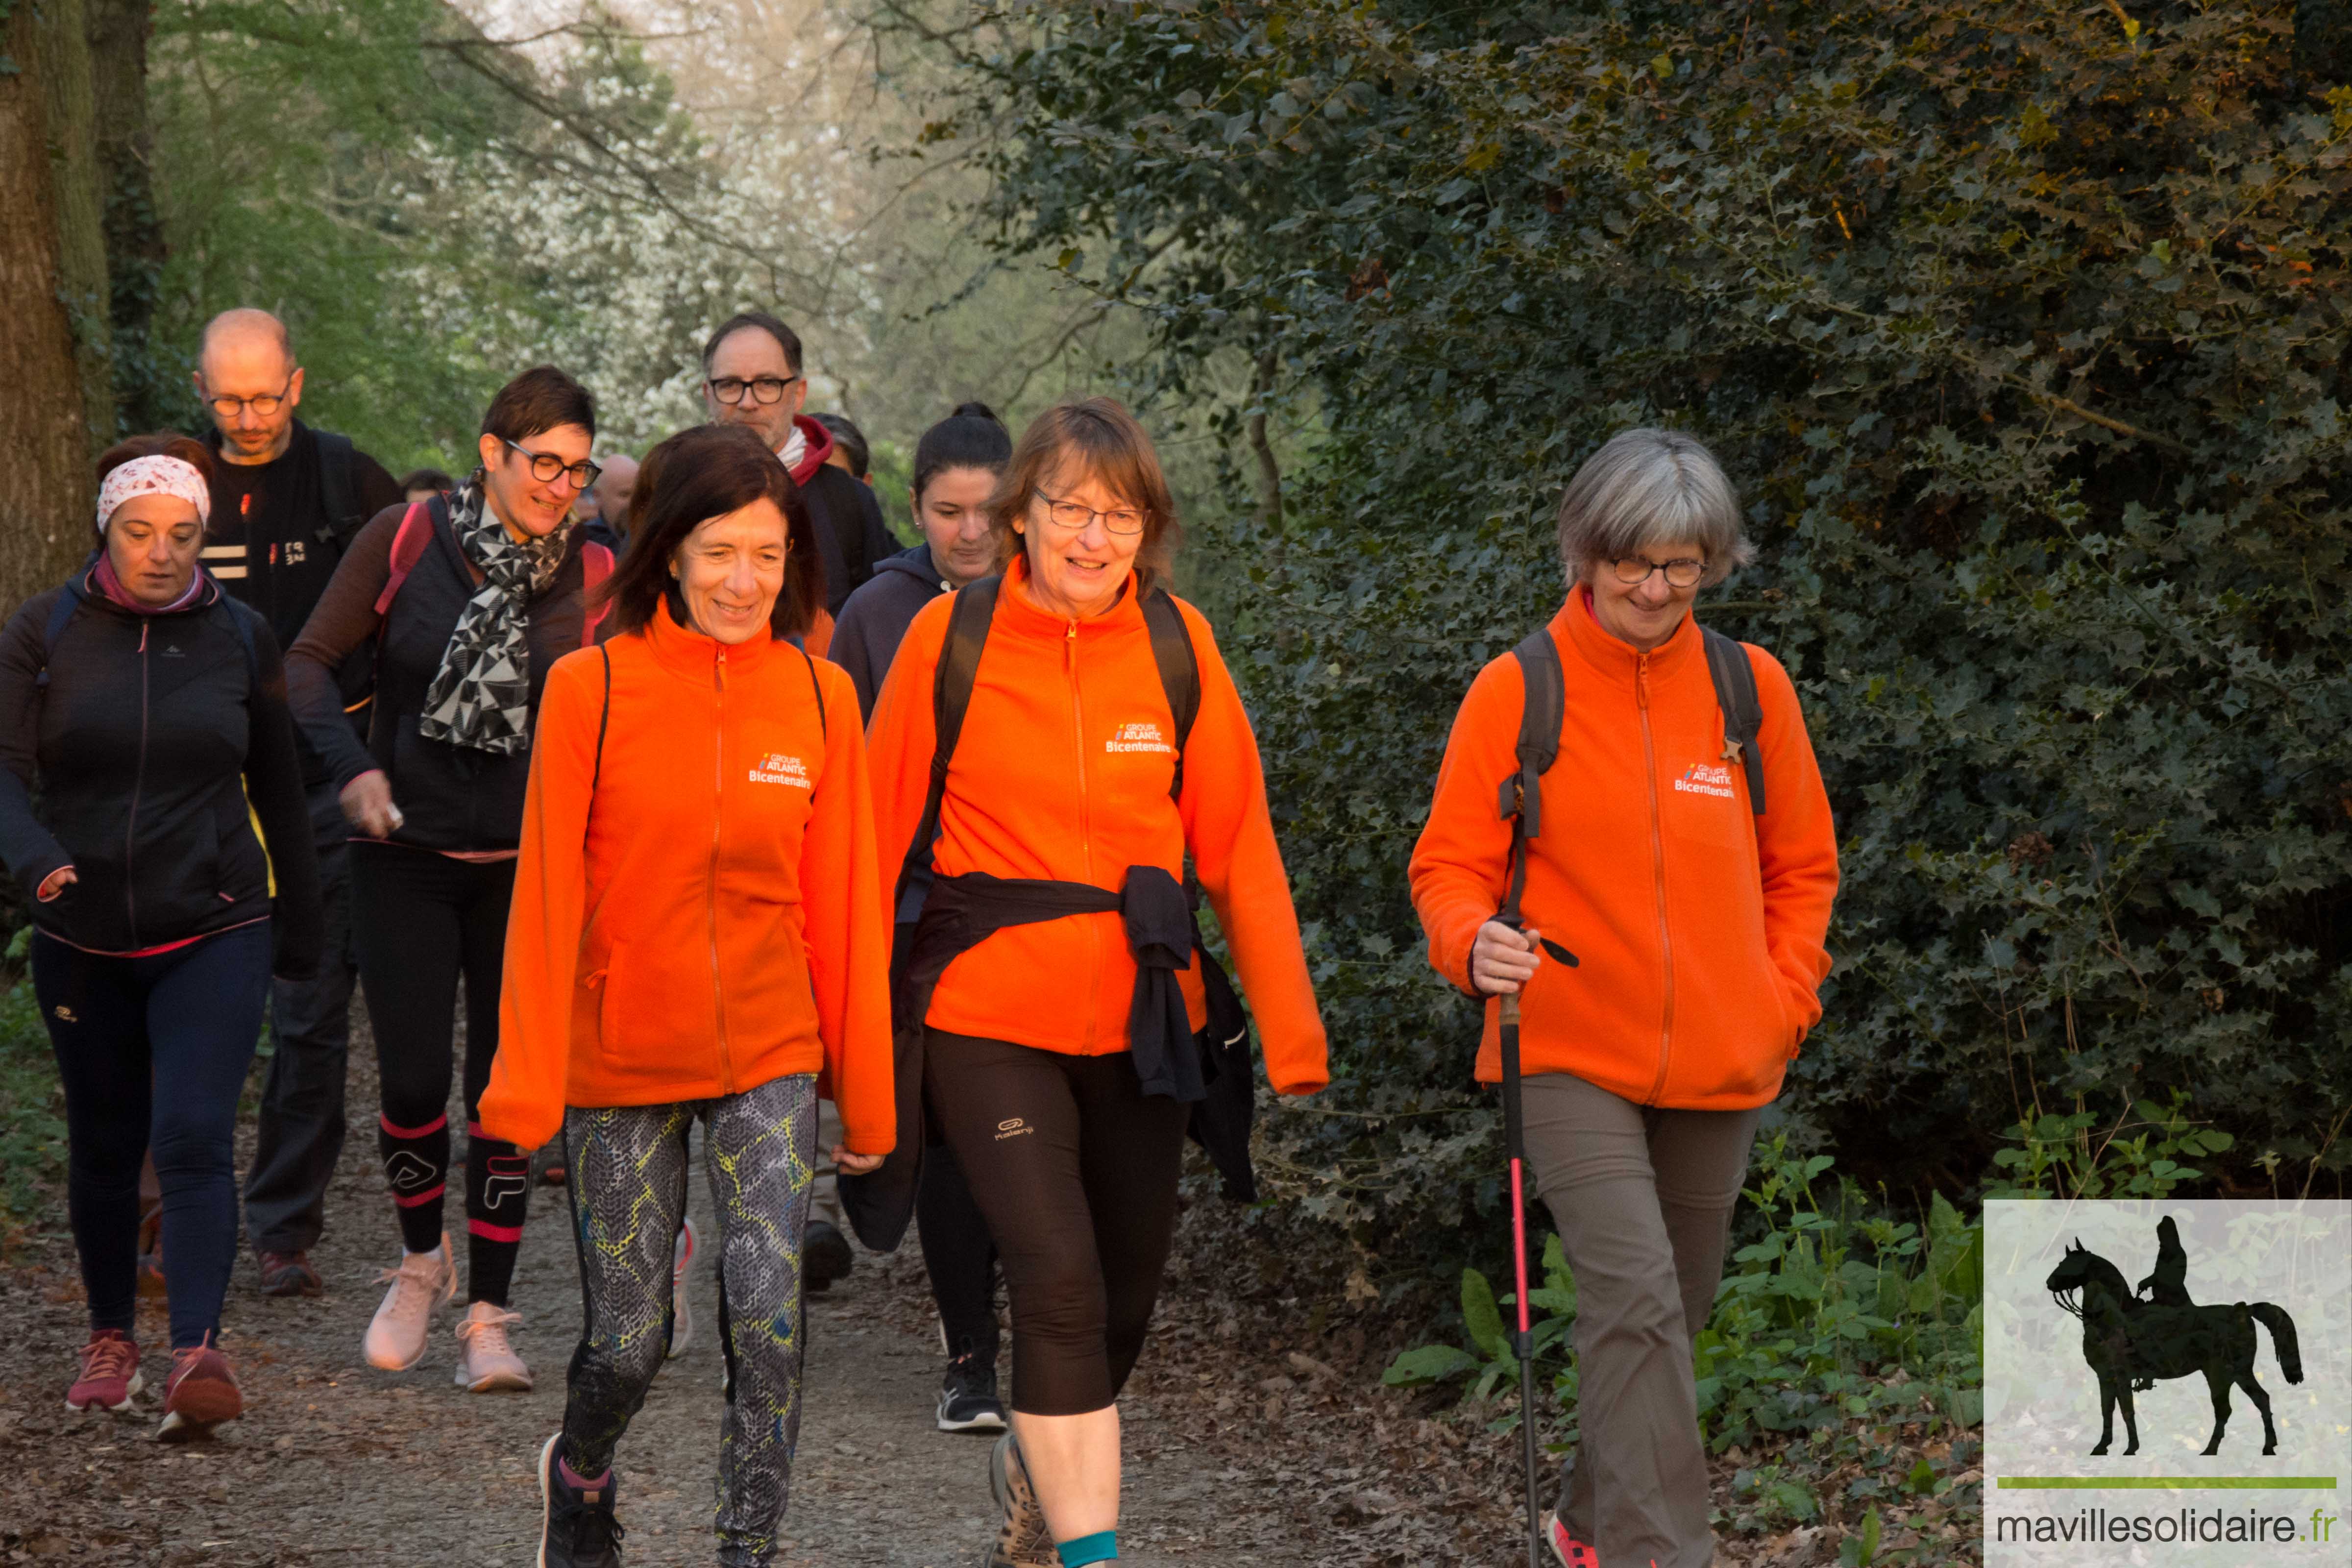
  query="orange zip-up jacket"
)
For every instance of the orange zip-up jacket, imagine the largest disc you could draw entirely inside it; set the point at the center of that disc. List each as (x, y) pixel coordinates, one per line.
(1062, 774)
(1698, 925)
(702, 917)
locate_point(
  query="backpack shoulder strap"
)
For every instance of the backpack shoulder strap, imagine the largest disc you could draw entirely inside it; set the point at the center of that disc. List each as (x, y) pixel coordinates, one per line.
(1180, 672)
(1540, 720)
(1743, 712)
(408, 547)
(60, 614)
(595, 566)
(242, 618)
(968, 622)
(337, 489)
(603, 718)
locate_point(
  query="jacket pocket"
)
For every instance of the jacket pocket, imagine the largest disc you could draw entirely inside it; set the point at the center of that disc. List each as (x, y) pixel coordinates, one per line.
(652, 1020)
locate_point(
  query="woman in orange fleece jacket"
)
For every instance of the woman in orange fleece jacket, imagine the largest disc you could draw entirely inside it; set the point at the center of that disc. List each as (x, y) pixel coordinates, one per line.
(1061, 1068)
(1696, 925)
(695, 934)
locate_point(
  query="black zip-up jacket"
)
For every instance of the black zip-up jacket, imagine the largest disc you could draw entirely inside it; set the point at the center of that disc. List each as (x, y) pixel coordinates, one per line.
(866, 633)
(147, 742)
(452, 797)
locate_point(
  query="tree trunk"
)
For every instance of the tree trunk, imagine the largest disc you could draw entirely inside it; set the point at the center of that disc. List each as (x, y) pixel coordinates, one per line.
(144, 392)
(53, 373)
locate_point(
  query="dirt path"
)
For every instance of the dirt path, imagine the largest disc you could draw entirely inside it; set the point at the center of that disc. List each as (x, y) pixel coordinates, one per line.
(336, 1464)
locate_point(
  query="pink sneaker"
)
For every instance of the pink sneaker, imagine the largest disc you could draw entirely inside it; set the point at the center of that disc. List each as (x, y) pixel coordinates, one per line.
(485, 1362)
(422, 1284)
(109, 1376)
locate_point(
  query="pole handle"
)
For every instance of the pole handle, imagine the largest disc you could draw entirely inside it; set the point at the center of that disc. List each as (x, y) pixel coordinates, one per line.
(1510, 1014)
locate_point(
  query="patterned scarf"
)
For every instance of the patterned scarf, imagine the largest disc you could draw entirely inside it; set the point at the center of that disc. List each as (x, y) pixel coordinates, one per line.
(480, 697)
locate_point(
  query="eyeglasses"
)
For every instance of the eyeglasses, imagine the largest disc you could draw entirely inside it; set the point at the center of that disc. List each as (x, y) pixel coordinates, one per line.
(1069, 514)
(1683, 574)
(730, 389)
(264, 405)
(547, 468)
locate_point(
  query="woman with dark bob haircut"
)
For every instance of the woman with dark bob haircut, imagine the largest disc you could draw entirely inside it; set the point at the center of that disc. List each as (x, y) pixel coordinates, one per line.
(697, 935)
(466, 599)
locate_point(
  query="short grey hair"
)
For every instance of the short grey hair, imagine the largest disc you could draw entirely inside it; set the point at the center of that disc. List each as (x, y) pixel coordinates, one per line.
(1649, 487)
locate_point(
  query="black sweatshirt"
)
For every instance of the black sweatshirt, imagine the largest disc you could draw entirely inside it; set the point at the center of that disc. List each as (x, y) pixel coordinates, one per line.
(151, 737)
(453, 798)
(866, 633)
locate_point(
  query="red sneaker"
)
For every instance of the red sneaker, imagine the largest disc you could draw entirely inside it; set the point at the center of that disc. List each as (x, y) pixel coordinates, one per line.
(109, 1376)
(200, 1394)
(1566, 1549)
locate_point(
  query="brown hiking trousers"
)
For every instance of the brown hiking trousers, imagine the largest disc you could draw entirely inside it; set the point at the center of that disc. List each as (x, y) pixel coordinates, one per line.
(1642, 1197)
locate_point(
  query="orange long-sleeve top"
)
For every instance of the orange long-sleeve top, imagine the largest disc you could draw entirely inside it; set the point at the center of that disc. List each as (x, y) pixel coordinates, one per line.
(1061, 772)
(697, 914)
(1699, 926)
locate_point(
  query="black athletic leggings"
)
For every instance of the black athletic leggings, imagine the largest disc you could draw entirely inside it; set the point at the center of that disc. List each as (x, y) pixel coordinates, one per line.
(1075, 1168)
(419, 920)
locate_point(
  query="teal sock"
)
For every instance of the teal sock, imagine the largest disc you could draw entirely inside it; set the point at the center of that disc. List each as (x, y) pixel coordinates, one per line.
(1100, 1547)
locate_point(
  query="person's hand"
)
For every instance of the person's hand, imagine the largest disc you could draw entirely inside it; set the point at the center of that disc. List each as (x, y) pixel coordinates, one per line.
(57, 882)
(855, 1164)
(367, 805)
(1502, 960)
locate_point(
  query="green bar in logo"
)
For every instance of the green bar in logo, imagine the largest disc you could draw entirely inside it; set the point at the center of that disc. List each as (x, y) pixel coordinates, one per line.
(2169, 1483)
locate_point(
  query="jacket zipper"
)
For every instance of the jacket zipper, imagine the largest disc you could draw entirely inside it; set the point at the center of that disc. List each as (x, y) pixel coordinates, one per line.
(1086, 826)
(1658, 872)
(138, 785)
(717, 795)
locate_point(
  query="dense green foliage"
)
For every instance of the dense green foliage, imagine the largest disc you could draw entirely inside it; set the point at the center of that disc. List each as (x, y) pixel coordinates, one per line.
(32, 1126)
(2023, 330)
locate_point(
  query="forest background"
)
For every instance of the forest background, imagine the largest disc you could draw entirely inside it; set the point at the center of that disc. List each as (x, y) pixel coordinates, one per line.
(2022, 329)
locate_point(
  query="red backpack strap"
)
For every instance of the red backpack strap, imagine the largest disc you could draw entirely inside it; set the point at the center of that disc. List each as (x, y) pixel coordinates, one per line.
(596, 566)
(408, 547)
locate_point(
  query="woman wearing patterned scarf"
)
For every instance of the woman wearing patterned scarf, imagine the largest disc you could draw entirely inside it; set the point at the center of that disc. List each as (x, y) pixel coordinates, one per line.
(463, 601)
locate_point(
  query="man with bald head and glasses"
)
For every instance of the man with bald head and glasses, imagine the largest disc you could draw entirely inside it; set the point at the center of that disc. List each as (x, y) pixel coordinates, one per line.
(287, 501)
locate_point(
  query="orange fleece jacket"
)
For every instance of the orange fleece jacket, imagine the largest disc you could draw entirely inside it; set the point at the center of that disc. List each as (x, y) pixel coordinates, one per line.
(1699, 925)
(1062, 774)
(702, 918)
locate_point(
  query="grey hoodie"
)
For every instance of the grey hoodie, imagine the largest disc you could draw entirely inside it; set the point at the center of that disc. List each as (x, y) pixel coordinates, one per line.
(865, 636)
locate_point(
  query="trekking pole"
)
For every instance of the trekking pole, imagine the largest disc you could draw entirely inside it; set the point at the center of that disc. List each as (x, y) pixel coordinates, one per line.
(1522, 1343)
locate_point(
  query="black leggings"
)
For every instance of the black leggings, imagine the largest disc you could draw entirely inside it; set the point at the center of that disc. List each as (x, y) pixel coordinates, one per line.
(419, 920)
(1075, 1168)
(959, 1256)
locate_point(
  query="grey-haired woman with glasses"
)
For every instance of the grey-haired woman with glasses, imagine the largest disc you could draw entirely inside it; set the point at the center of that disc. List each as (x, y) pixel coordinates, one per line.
(464, 599)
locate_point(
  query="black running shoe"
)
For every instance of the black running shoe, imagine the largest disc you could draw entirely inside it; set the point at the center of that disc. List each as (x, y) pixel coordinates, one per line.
(968, 1401)
(577, 1528)
(825, 1255)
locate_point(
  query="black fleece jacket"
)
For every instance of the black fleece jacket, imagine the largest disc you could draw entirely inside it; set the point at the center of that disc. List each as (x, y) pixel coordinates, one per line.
(866, 633)
(148, 739)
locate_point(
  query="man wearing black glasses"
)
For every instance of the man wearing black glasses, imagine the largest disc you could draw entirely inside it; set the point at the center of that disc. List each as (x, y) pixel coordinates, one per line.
(752, 375)
(287, 501)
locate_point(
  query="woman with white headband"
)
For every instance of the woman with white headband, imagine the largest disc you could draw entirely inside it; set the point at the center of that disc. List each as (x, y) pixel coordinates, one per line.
(151, 709)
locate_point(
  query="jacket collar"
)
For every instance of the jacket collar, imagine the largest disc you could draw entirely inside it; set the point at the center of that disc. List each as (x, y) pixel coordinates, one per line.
(691, 654)
(1577, 629)
(85, 586)
(818, 447)
(1016, 609)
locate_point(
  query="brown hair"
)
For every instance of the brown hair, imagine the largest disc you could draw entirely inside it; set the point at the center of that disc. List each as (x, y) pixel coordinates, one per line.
(160, 444)
(786, 338)
(1098, 440)
(537, 401)
(698, 474)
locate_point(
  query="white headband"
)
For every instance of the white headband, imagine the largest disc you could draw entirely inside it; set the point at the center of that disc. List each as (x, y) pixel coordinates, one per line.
(153, 477)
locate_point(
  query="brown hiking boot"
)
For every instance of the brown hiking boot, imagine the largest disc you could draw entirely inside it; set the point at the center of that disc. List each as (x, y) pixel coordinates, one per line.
(288, 1274)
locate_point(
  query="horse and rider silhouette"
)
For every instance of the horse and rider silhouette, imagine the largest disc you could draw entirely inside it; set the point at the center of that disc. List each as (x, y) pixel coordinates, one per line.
(2131, 1342)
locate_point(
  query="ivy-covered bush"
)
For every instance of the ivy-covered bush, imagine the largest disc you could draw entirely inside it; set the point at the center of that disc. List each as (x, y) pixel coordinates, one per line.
(2022, 329)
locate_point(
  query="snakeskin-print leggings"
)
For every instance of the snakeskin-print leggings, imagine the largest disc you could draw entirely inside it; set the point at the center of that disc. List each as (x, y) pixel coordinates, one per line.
(628, 1194)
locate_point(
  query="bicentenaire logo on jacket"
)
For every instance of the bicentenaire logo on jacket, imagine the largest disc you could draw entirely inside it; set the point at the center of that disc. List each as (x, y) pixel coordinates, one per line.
(1706, 778)
(1144, 735)
(777, 768)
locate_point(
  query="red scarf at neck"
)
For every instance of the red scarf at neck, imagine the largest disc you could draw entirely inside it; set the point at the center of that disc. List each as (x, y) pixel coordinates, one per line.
(111, 587)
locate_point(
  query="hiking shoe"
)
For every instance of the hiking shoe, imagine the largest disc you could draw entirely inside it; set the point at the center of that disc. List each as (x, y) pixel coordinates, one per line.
(577, 1529)
(200, 1394)
(1566, 1549)
(485, 1362)
(825, 1255)
(681, 1321)
(422, 1284)
(1023, 1540)
(968, 1401)
(288, 1274)
(109, 1376)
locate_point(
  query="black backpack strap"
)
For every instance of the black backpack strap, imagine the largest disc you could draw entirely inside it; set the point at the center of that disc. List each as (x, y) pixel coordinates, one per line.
(1743, 713)
(1180, 672)
(243, 619)
(337, 489)
(603, 718)
(1520, 798)
(60, 614)
(951, 682)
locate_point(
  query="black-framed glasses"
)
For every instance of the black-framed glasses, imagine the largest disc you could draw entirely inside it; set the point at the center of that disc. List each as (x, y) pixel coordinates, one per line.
(1680, 574)
(730, 389)
(1069, 514)
(547, 468)
(264, 404)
